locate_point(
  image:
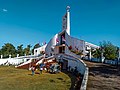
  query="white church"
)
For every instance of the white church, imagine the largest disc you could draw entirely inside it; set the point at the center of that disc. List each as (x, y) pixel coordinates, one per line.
(63, 48)
(64, 43)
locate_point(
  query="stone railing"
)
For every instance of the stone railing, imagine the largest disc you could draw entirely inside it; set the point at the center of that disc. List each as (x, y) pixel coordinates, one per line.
(82, 68)
(85, 80)
(85, 74)
(12, 61)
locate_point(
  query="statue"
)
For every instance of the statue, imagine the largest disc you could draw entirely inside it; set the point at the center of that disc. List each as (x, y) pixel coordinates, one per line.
(10, 56)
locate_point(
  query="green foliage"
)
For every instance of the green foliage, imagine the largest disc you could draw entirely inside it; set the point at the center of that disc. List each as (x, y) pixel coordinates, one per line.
(21, 79)
(77, 52)
(0, 52)
(36, 45)
(8, 49)
(109, 50)
(96, 53)
(27, 50)
(20, 50)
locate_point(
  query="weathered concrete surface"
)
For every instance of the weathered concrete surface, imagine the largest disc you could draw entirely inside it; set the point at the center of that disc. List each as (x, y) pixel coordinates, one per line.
(103, 77)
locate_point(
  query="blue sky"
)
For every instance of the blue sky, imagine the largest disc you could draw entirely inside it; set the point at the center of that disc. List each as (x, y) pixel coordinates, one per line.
(36, 21)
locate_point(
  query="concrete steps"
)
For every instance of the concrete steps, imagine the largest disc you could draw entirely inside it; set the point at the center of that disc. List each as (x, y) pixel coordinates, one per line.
(28, 65)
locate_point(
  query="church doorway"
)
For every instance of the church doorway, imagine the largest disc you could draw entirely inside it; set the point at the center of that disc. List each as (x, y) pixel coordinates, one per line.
(62, 49)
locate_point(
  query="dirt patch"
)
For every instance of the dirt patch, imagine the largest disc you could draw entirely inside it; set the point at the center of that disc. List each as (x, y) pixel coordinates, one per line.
(103, 76)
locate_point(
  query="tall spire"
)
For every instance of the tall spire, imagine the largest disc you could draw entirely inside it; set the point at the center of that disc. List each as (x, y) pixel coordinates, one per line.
(66, 21)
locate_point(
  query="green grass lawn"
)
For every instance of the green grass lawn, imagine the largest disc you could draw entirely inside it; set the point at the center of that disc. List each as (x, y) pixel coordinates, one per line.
(20, 79)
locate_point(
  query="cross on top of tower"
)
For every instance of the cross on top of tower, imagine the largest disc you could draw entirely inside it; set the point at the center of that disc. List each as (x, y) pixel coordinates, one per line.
(68, 8)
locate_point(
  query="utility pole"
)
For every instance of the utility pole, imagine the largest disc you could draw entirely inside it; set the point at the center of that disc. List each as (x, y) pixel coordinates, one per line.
(118, 60)
(118, 53)
(102, 52)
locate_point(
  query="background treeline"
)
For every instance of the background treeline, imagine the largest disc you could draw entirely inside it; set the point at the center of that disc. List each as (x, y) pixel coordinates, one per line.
(109, 50)
(9, 49)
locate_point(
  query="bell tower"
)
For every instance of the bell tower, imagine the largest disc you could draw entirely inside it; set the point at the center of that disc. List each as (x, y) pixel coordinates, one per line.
(66, 21)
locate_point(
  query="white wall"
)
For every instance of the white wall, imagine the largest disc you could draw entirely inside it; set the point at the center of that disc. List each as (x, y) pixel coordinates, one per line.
(37, 50)
(67, 51)
(90, 45)
(2, 61)
(74, 42)
(13, 61)
(75, 62)
(50, 45)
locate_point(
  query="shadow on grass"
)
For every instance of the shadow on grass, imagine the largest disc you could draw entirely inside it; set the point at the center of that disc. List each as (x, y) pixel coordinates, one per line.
(35, 73)
(72, 77)
(60, 79)
(52, 81)
(73, 80)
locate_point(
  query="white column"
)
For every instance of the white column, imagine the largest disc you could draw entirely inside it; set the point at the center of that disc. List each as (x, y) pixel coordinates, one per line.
(90, 54)
(119, 54)
(68, 20)
(102, 57)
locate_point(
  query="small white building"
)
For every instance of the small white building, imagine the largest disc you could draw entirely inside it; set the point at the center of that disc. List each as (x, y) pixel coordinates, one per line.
(40, 50)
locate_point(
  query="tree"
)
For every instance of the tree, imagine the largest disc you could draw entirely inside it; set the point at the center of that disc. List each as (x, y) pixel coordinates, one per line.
(37, 45)
(8, 49)
(20, 50)
(0, 52)
(96, 53)
(109, 50)
(27, 50)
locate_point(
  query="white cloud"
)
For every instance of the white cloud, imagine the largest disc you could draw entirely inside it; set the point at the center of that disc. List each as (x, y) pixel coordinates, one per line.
(4, 10)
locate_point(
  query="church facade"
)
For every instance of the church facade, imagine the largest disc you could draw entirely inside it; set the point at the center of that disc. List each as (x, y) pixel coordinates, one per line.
(63, 43)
